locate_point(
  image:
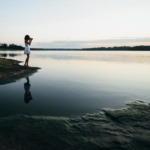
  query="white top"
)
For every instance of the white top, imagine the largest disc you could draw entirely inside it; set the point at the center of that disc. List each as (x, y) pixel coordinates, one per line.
(27, 49)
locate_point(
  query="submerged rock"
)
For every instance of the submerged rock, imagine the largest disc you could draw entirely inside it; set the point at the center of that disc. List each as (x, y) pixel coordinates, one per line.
(127, 128)
(10, 70)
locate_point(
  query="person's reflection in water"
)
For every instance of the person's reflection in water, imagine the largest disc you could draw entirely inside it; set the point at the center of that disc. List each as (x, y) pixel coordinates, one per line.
(27, 95)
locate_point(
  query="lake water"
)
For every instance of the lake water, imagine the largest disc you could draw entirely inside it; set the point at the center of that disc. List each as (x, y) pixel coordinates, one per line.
(73, 83)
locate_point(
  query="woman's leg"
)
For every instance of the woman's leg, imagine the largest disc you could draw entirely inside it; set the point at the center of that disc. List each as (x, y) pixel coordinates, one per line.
(27, 60)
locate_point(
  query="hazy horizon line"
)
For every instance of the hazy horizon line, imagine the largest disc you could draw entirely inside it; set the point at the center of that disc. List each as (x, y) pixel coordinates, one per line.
(111, 42)
(93, 43)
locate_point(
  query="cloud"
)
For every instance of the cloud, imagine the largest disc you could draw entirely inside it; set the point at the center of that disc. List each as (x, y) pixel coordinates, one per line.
(94, 43)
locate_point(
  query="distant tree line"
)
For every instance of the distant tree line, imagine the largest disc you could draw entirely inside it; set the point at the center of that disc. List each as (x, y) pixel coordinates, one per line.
(118, 48)
(5, 46)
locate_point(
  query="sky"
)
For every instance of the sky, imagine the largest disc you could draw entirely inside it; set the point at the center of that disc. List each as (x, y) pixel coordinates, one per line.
(75, 23)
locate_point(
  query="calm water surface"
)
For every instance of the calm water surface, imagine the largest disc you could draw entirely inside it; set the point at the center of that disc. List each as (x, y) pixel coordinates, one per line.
(77, 82)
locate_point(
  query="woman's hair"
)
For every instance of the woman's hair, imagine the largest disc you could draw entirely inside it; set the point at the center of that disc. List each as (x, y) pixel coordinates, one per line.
(27, 37)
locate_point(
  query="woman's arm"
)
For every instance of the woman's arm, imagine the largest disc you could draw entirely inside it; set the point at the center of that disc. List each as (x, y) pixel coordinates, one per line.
(28, 41)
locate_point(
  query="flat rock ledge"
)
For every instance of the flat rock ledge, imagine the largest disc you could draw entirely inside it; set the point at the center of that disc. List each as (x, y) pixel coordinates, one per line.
(10, 71)
(110, 129)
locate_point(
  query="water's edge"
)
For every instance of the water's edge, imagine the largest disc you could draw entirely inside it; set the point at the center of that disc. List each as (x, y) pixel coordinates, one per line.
(126, 128)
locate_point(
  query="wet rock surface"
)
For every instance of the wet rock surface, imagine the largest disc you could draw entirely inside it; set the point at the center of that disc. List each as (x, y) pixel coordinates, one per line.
(10, 71)
(127, 128)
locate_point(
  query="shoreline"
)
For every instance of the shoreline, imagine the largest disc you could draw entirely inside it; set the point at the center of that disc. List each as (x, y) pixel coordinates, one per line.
(123, 129)
(100, 48)
(10, 70)
(136, 50)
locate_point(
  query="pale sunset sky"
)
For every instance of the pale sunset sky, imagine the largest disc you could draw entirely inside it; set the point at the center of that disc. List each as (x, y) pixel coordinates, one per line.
(75, 23)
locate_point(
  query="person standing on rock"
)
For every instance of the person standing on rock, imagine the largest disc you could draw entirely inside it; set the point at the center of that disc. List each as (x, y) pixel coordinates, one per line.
(27, 41)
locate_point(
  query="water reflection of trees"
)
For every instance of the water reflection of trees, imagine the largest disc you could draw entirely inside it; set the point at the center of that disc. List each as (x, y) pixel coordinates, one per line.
(4, 55)
(14, 55)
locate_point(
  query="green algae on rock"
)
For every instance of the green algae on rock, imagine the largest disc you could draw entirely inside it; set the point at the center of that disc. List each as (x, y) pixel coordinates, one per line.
(10, 70)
